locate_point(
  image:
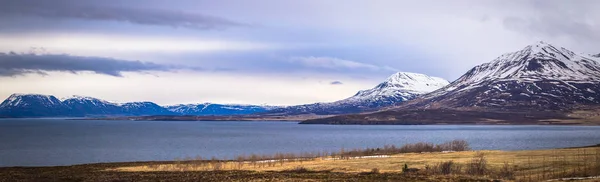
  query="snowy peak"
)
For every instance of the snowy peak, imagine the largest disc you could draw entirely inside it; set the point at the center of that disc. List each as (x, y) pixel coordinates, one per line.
(78, 97)
(85, 100)
(543, 48)
(24, 100)
(539, 61)
(413, 82)
(138, 104)
(397, 88)
(32, 105)
(35, 105)
(540, 76)
(402, 84)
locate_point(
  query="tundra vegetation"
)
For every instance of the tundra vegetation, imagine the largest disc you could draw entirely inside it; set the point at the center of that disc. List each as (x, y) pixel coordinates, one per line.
(449, 161)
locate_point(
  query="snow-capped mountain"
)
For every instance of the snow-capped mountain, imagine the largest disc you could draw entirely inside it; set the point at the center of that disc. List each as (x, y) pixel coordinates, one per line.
(32, 105)
(399, 87)
(540, 76)
(144, 108)
(540, 84)
(216, 109)
(36, 105)
(87, 106)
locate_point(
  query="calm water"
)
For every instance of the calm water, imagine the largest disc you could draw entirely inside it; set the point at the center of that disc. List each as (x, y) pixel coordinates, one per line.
(43, 142)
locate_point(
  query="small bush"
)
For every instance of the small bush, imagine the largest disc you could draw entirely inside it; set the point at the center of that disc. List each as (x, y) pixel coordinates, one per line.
(507, 172)
(298, 169)
(444, 168)
(478, 165)
(217, 166)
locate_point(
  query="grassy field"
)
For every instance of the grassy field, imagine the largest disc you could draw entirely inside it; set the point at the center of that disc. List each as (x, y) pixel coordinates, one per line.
(531, 165)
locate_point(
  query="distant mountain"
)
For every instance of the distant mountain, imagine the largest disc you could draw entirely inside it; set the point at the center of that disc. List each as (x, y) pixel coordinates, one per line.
(597, 55)
(89, 106)
(144, 108)
(539, 81)
(26, 105)
(399, 87)
(36, 105)
(216, 109)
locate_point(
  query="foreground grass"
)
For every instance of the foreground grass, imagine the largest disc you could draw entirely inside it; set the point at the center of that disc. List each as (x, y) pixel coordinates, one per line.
(532, 165)
(98, 172)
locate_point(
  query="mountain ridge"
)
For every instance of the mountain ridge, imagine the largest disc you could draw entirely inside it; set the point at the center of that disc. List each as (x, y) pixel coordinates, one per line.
(537, 81)
(39, 105)
(540, 70)
(398, 87)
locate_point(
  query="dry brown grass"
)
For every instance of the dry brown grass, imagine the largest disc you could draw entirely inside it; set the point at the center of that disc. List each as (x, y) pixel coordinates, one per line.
(586, 117)
(532, 165)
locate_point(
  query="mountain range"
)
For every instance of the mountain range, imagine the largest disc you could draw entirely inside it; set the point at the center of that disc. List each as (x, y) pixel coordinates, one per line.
(540, 83)
(36, 105)
(399, 87)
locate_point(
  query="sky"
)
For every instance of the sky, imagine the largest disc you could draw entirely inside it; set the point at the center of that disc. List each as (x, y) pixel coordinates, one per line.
(266, 51)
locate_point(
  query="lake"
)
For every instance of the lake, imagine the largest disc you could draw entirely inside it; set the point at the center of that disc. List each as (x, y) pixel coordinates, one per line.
(50, 142)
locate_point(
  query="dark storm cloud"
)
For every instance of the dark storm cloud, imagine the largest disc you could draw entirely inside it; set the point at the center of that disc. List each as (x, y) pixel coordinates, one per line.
(86, 10)
(13, 64)
(336, 83)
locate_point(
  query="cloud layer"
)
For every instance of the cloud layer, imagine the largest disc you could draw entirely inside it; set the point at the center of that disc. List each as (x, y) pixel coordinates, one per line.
(13, 64)
(337, 63)
(577, 20)
(80, 10)
(299, 44)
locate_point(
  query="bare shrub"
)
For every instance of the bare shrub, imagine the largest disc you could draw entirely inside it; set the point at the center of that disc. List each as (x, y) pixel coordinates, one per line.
(454, 145)
(254, 159)
(478, 165)
(507, 172)
(298, 169)
(459, 145)
(449, 167)
(215, 163)
(444, 168)
(407, 170)
(217, 166)
(240, 161)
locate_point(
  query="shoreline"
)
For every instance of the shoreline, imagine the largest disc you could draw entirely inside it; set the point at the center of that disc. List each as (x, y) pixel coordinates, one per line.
(302, 122)
(233, 160)
(527, 164)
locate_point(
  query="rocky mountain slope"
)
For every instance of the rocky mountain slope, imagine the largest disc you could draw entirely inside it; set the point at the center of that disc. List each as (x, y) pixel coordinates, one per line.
(539, 80)
(399, 87)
